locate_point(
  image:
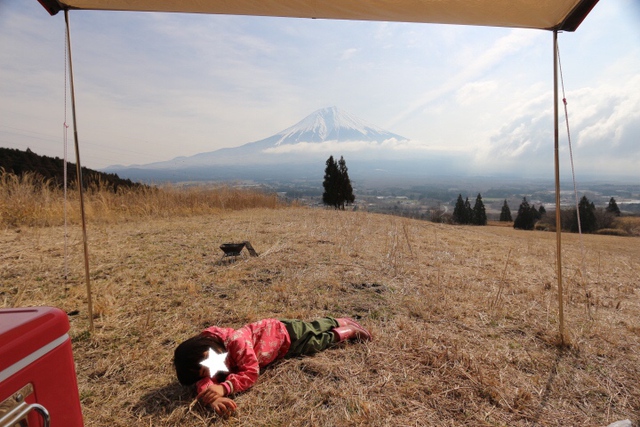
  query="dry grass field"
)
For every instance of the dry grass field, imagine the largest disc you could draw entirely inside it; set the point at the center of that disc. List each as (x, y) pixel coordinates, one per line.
(464, 318)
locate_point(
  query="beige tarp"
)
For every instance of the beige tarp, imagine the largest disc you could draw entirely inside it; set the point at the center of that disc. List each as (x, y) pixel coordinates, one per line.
(542, 14)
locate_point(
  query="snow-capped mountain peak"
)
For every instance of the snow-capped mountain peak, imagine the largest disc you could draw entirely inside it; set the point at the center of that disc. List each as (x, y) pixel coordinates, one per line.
(327, 131)
(329, 124)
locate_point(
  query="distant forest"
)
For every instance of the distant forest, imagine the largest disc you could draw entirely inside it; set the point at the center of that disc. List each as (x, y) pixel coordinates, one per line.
(52, 169)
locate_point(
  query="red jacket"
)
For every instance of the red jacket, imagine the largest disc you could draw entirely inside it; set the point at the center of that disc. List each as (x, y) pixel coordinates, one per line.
(250, 348)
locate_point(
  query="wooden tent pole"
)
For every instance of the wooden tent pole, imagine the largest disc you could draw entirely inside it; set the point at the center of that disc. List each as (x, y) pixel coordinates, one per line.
(79, 175)
(557, 179)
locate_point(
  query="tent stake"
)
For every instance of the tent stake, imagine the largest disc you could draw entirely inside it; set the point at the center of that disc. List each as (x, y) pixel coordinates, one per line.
(563, 340)
(79, 175)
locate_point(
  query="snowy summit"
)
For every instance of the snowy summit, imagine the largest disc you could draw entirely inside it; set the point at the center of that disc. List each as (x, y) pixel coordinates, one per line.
(332, 124)
(328, 131)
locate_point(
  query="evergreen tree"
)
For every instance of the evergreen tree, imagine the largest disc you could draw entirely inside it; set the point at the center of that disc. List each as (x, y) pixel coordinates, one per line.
(613, 207)
(536, 214)
(542, 211)
(525, 220)
(505, 214)
(479, 212)
(337, 185)
(459, 211)
(468, 212)
(331, 184)
(346, 190)
(588, 221)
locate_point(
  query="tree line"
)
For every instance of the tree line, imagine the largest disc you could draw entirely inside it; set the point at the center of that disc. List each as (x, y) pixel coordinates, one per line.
(591, 220)
(338, 193)
(463, 213)
(529, 217)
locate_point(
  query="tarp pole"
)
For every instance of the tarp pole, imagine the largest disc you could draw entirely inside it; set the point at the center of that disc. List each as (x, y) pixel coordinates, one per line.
(79, 176)
(563, 341)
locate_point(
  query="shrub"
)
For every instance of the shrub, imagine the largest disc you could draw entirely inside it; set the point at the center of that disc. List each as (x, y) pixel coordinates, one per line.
(612, 232)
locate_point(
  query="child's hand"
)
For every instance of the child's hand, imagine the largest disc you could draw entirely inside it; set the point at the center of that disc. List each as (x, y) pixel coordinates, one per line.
(211, 393)
(224, 406)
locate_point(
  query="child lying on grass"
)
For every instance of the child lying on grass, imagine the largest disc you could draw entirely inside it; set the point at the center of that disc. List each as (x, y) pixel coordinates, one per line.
(252, 347)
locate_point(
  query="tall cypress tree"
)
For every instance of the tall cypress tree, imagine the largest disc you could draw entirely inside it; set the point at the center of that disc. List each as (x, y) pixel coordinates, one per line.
(479, 212)
(459, 211)
(468, 212)
(337, 185)
(331, 184)
(588, 221)
(525, 219)
(346, 190)
(505, 213)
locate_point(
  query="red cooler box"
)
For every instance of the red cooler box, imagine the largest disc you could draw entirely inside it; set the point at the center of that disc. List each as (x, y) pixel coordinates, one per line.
(37, 375)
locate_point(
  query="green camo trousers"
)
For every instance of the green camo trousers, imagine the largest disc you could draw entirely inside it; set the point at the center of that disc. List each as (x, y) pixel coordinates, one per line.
(310, 337)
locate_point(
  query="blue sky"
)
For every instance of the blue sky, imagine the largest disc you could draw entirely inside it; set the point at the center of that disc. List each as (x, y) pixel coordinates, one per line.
(154, 86)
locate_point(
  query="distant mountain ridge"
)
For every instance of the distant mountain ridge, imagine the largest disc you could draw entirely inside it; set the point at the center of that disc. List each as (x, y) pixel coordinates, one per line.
(298, 152)
(322, 126)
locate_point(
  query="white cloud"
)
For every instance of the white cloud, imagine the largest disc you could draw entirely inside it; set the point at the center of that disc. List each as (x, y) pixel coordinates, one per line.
(391, 144)
(471, 67)
(615, 118)
(604, 123)
(348, 53)
(474, 92)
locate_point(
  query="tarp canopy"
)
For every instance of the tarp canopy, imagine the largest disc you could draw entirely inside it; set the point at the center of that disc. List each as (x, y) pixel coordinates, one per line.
(561, 15)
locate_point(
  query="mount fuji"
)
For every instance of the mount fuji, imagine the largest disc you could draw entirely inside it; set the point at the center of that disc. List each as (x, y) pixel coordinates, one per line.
(291, 153)
(330, 124)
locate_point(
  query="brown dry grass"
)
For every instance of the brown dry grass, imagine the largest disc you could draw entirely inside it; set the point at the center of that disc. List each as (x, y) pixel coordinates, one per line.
(464, 318)
(628, 224)
(30, 200)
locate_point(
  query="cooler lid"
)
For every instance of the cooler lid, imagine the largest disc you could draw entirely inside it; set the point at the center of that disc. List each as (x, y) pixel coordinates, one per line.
(23, 331)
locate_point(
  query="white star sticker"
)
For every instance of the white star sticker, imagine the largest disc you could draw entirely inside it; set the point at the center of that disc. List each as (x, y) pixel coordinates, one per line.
(215, 363)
